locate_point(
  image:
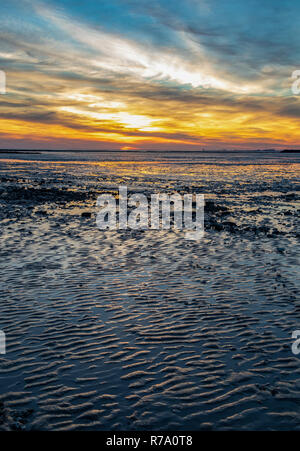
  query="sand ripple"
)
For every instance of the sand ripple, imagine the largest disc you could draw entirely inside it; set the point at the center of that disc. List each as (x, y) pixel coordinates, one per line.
(145, 330)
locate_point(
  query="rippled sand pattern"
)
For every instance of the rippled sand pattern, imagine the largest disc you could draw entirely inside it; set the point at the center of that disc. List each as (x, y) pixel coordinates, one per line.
(146, 330)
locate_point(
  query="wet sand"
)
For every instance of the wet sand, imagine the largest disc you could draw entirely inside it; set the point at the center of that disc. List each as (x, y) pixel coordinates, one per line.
(131, 330)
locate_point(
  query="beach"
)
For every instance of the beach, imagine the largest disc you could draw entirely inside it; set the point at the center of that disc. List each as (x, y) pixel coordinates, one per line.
(143, 329)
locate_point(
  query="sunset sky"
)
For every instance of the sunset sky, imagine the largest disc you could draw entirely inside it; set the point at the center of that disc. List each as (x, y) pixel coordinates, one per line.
(160, 74)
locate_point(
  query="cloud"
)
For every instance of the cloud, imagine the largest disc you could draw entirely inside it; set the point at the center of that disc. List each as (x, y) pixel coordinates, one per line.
(205, 85)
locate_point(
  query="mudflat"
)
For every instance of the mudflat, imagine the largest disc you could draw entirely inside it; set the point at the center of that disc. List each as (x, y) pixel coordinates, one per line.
(131, 330)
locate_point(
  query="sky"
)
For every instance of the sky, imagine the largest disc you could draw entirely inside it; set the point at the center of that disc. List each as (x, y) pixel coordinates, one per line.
(142, 74)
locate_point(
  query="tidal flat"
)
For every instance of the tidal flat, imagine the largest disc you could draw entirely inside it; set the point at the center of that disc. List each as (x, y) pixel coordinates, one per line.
(145, 330)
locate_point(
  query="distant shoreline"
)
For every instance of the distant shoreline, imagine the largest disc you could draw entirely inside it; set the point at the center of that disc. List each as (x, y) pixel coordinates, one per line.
(225, 151)
(26, 152)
